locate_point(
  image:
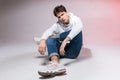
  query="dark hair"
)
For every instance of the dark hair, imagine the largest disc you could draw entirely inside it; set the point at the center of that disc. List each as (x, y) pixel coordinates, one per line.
(59, 8)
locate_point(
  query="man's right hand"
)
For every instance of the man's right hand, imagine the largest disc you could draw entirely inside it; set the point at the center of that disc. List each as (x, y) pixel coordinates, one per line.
(42, 46)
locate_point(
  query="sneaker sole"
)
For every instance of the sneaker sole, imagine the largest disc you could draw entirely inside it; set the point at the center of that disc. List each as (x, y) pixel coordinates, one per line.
(47, 74)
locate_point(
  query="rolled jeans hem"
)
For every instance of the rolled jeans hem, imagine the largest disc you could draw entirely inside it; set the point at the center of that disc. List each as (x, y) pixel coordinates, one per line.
(53, 54)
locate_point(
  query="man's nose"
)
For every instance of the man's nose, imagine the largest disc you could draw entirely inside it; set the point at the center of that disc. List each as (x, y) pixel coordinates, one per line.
(61, 17)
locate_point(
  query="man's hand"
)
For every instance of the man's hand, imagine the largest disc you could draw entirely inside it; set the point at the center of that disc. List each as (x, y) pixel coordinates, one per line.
(42, 46)
(62, 47)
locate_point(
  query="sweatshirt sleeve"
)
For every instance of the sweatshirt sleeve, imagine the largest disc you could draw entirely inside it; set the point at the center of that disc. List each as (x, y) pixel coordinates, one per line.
(77, 27)
(49, 31)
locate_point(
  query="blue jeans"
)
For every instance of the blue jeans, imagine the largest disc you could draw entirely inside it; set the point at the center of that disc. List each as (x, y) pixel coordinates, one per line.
(72, 49)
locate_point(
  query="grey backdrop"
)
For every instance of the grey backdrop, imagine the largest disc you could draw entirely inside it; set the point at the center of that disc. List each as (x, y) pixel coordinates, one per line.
(21, 20)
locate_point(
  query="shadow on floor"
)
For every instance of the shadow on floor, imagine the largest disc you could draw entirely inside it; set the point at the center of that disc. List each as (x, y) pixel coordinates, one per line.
(84, 55)
(44, 58)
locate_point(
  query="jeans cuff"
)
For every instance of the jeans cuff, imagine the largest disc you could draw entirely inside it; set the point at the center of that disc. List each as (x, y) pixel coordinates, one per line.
(53, 54)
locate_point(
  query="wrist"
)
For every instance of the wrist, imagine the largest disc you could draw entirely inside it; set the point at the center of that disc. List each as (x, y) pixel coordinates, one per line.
(43, 41)
(67, 39)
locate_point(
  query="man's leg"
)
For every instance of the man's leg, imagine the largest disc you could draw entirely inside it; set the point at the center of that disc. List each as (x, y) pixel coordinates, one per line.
(73, 48)
(53, 46)
(54, 67)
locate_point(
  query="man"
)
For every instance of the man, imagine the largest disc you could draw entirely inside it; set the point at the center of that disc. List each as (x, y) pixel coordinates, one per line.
(62, 40)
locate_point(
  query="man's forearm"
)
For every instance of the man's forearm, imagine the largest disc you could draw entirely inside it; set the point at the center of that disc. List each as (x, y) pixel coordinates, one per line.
(67, 39)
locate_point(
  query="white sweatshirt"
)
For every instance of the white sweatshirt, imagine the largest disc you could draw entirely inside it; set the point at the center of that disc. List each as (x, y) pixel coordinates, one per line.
(75, 25)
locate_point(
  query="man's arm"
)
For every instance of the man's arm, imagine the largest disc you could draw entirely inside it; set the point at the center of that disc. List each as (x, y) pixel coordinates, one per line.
(77, 27)
(44, 37)
(42, 46)
(62, 47)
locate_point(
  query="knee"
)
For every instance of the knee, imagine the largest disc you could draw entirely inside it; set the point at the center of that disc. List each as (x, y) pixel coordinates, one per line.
(50, 41)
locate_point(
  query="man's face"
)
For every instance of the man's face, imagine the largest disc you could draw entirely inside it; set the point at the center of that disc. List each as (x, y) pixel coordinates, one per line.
(63, 17)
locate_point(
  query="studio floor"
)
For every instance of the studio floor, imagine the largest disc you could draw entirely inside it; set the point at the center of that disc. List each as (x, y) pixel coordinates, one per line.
(22, 61)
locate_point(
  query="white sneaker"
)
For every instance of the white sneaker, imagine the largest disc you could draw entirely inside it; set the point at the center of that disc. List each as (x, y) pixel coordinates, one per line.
(52, 69)
(37, 40)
